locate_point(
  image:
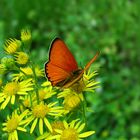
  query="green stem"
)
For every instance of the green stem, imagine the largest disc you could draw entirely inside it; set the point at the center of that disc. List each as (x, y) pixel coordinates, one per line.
(36, 84)
(31, 99)
(84, 110)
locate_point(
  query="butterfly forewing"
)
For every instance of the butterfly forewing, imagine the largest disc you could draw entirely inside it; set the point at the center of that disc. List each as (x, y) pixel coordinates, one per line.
(61, 62)
(61, 56)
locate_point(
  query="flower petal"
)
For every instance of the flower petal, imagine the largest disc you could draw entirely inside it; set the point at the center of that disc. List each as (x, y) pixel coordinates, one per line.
(48, 124)
(86, 134)
(10, 137)
(4, 104)
(81, 127)
(41, 126)
(27, 121)
(21, 129)
(13, 99)
(58, 131)
(77, 125)
(33, 125)
(72, 124)
(15, 135)
(65, 124)
(24, 114)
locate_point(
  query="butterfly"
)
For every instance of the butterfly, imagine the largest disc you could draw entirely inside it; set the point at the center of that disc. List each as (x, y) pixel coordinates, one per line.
(62, 69)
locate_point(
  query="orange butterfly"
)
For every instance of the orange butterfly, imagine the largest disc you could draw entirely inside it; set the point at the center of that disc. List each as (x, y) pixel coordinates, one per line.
(62, 69)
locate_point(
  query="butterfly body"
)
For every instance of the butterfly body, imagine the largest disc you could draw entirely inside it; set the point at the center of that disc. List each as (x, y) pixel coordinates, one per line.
(62, 69)
(73, 75)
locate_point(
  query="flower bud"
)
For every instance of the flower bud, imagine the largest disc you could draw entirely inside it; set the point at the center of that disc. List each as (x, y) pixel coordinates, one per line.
(26, 36)
(8, 63)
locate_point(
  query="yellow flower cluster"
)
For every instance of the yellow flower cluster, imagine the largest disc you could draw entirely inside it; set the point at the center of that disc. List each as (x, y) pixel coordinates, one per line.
(37, 108)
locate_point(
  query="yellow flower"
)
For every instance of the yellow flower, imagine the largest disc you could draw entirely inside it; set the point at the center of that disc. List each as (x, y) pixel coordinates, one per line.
(18, 76)
(12, 45)
(71, 102)
(57, 125)
(26, 101)
(21, 58)
(48, 136)
(28, 71)
(89, 81)
(14, 124)
(45, 93)
(73, 96)
(46, 83)
(13, 89)
(40, 114)
(52, 135)
(71, 99)
(73, 131)
(29, 100)
(25, 35)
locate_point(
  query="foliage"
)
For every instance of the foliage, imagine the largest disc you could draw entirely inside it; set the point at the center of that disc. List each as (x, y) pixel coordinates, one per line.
(87, 26)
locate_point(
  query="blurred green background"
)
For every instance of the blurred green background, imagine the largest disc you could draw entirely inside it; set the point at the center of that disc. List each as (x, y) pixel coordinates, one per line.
(111, 26)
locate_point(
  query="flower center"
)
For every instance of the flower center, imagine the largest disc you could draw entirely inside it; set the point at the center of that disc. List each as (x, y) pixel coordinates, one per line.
(11, 88)
(22, 58)
(79, 86)
(40, 110)
(71, 102)
(26, 103)
(69, 134)
(12, 124)
(57, 125)
(42, 94)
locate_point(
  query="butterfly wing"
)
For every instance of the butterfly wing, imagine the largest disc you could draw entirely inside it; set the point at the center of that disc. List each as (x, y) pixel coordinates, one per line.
(61, 62)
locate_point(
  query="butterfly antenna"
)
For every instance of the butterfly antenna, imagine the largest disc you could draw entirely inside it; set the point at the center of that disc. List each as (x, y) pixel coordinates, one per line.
(91, 61)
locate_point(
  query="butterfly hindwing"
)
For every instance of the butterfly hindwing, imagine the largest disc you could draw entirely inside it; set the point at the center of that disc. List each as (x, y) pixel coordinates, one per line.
(55, 74)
